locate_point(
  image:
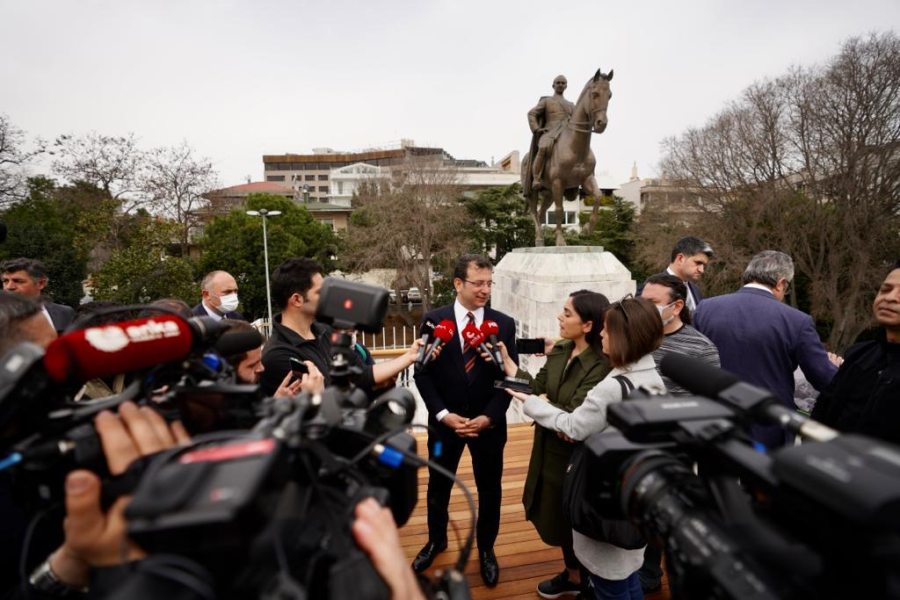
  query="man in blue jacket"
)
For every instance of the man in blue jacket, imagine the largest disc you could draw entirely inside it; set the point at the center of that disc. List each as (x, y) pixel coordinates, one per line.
(762, 340)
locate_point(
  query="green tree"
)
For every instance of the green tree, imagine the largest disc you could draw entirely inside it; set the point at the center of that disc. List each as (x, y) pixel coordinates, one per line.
(142, 271)
(59, 226)
(234, 243)
(501, 221)
(614, 223)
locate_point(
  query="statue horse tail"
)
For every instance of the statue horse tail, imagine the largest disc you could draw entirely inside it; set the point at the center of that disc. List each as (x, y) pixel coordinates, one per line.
(527, 171)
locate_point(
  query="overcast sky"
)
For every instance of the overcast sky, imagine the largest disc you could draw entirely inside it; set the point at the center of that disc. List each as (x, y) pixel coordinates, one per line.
(238, 79)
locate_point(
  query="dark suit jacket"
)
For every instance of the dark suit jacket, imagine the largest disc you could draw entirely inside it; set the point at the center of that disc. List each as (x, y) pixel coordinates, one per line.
(763, 340)
(61, 315)
(444, 384)
(199, 311)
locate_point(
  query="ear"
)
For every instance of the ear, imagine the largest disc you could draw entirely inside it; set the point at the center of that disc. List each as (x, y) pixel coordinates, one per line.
(41, 283)
(587, 326)
(609, 77)
(598, 75)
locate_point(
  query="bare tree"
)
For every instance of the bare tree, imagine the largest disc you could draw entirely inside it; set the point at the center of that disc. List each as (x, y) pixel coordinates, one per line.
(114, 164)
(13, 158)
(173, 184)
(409, 221)
(808, 163)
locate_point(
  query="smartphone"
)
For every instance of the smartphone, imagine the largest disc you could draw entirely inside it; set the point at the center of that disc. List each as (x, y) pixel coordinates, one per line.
(530, 345)
(298, 368)
(515, 384)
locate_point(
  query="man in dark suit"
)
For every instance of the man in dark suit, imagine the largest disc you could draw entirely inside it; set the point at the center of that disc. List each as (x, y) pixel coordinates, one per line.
(219, 292)
(28, 277)
(689, 259)
(763, 340)
(465, 409)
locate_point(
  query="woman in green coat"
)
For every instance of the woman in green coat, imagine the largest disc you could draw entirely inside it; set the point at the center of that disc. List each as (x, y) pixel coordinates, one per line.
(574, 366)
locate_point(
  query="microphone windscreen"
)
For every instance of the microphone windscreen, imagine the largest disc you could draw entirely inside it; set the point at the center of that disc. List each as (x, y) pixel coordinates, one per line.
(445, 331)
(489, 328)
(695, 375)
(238, 342)
(116, 348)
(427, 328)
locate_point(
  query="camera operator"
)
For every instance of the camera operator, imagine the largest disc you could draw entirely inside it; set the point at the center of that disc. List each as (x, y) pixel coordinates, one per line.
(862, 397)
(296, 284)
(93, 538)
(632, 330)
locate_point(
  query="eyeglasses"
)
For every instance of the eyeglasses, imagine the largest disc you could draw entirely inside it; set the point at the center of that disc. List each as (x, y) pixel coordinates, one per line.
(480, 284)
(621, 306)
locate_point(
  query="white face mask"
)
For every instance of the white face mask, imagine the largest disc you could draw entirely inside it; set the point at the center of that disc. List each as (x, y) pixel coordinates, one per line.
(661, 310)
(228, 302)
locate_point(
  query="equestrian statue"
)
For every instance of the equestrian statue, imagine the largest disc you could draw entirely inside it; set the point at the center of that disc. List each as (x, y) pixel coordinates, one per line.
(560, 163)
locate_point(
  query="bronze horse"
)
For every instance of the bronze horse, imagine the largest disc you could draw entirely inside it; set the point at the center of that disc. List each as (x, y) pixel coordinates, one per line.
(570, 166)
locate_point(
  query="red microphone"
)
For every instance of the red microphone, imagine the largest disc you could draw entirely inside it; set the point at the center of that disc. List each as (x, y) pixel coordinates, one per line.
(475, 340)
(443, 333)
(491, 330)
(107, 350)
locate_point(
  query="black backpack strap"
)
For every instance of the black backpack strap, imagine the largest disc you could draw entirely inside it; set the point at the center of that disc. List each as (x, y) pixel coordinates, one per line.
(627, 386)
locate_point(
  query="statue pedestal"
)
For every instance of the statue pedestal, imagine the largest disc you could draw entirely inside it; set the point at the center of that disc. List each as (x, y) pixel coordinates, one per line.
(532, 284)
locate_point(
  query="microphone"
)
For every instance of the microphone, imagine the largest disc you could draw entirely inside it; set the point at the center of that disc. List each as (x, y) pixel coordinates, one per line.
(706, 380)
(114, 348)
(490, 329)
(475, 339)
(427, 331)
(443, 332)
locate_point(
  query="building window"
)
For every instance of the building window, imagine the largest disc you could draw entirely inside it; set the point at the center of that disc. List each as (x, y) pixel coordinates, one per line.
(323, 189)
(309, 177)
(340, 186)
(569, 217)
(275, 178)
(328, 223)
(323, 177)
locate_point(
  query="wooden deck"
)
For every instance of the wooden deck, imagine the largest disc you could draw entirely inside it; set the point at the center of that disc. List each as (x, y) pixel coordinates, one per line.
(524, 559)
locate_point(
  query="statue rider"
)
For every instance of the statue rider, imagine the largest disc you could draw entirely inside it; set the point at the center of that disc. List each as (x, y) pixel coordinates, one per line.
(547, 120)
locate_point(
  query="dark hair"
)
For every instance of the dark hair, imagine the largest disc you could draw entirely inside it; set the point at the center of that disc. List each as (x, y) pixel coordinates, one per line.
(633, 330)
(677, 291)
(591, 306)
(236, 325)
(34, 267)
(689, 246)
(460, 270)
(14, 309)
(175, 304)
(294, 276)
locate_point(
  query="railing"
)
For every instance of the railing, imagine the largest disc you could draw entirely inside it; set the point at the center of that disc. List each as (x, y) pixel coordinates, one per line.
(390, 338)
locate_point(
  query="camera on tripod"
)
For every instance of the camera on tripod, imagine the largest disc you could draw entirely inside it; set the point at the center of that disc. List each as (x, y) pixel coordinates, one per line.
(816, 520)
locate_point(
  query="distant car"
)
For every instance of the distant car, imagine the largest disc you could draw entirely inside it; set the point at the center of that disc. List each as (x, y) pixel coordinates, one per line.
(392, 296)
(414, 295)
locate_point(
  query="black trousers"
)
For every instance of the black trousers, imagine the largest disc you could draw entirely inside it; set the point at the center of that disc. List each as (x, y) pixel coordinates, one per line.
(487, 463)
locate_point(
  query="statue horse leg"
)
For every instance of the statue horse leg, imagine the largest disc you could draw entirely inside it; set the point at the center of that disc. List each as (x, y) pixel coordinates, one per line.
(557, 189)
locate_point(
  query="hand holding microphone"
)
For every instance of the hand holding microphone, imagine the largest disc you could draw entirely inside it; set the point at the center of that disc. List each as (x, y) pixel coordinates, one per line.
(443, 333)
(491, 330)
(475, 340)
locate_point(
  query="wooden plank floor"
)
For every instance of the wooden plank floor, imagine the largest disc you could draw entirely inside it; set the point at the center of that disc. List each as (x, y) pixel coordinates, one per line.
(524, 559)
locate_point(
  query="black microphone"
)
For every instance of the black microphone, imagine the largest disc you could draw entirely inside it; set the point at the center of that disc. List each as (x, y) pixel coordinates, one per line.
(427, 332)
(706, 380)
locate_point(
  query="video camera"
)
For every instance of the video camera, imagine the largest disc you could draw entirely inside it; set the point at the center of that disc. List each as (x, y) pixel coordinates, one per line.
(817, 520)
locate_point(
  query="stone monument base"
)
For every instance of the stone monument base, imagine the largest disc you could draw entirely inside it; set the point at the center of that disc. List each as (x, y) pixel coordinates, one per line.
(532, 284)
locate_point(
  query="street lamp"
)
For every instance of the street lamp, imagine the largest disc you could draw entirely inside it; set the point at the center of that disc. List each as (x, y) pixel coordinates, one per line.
(264, 213)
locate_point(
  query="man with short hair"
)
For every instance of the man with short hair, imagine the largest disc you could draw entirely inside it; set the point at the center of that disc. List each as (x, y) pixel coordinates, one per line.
(219, 291)
(28, 277)
(669, 294)
(762, 340)
(465, 409)
(864, 396)
(690, 256)
(296, 284)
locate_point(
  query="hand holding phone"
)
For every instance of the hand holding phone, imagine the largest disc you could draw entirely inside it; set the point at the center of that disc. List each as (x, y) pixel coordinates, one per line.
(530, 345)
(298, 368)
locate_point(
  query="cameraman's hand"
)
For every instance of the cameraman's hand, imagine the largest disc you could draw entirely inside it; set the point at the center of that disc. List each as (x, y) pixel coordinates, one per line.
(95, 538)
(376, 534)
